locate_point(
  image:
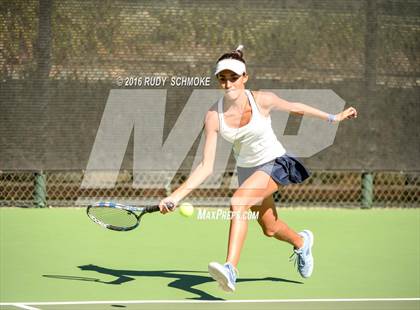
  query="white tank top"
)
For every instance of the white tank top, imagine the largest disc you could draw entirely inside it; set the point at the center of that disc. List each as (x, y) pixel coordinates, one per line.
(255, 143)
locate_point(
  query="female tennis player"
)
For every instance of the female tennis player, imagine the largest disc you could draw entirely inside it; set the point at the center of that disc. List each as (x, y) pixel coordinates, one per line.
(243, 118)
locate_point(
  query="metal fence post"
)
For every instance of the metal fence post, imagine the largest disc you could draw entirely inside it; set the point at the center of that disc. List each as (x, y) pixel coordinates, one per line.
(40, 190)
(367, 190)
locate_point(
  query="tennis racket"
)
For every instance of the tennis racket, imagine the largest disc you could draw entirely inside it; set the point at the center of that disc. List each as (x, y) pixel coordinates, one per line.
(119, 217)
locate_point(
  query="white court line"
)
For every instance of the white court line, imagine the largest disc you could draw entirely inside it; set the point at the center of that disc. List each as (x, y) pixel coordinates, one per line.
(23, 306)
(204, 301)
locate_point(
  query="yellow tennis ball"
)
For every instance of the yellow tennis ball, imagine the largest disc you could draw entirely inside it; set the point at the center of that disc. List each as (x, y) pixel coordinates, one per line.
(186, 209)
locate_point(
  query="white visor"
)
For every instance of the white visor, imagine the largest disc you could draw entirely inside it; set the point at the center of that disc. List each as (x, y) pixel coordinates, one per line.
(234, 65)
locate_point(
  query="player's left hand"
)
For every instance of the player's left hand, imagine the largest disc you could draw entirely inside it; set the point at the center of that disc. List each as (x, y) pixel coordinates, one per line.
(346, 114)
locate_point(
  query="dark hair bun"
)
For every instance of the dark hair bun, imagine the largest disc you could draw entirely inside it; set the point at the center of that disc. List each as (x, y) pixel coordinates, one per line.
(238, 51)
(236, 54)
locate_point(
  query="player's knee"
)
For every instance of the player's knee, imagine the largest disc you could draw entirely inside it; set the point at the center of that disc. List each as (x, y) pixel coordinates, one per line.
(237, 207)
(239, 203)
(268, 231)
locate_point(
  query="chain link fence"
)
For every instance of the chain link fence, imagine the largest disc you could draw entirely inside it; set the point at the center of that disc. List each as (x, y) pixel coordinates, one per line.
(323, 189)
(60, 59)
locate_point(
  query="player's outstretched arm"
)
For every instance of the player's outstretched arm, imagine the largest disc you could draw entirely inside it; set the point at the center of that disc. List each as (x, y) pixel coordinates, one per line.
(203, 170)
(271, 101)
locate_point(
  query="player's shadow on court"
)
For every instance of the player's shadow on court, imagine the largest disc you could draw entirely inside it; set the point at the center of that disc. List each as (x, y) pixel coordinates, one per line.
(183, 279)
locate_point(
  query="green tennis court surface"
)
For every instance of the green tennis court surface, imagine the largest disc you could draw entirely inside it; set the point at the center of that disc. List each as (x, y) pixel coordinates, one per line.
(59, 255)
(236, 305)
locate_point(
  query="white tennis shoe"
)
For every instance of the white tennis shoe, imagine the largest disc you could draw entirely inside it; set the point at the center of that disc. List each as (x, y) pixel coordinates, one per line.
(303, 256)
(225, 275)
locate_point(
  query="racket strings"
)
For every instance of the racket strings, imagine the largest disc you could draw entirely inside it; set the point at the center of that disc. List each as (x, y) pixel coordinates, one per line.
(115, 217)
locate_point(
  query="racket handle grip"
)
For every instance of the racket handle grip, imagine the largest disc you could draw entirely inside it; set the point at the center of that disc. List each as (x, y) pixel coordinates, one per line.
(151, 209)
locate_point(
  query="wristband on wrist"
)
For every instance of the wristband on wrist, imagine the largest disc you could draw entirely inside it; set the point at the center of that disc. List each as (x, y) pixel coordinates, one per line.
(331, 118)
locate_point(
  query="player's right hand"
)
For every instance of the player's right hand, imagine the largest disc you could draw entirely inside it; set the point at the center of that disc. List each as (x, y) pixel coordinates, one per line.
(167, 205)
(346, 114)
